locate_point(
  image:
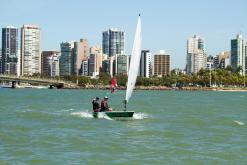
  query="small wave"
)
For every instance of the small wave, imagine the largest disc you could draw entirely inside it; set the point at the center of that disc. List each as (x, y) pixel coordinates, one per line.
(25, 110)
(139, 116)
(67, 110)
(83, 114)
(239, 122)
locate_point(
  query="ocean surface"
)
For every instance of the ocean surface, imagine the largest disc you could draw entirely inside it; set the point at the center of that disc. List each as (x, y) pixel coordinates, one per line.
(49, 127)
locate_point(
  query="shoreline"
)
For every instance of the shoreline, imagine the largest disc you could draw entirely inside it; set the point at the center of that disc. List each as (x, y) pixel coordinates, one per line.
(165, 88)
(162, 88)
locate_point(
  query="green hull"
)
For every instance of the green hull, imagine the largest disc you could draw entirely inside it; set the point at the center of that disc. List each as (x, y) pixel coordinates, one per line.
(116, 114)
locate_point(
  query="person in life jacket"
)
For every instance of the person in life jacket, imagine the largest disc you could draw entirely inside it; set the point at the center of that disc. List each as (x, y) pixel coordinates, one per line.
(95, 103)
(104, 105)
(113, 85)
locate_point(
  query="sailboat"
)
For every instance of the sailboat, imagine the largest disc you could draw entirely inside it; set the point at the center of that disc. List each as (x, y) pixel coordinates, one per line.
(132, 75)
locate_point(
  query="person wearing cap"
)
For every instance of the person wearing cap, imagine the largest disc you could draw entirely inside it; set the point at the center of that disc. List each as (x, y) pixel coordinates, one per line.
(104, 104)
(95, 103)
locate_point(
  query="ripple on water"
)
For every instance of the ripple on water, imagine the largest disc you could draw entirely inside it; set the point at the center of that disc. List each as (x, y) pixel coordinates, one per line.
(189, 128)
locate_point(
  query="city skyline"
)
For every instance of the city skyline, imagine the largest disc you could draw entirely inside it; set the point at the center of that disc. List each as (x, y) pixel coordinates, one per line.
(166, 25)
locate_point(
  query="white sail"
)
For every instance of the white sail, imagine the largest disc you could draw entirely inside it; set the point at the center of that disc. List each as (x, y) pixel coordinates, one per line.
(135, 61)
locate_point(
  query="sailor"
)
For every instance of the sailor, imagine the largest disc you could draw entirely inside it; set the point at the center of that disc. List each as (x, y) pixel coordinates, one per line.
(104, 105)
(95, 103)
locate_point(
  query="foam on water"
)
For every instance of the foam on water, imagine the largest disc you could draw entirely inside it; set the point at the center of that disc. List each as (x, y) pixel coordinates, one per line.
(239, 122)
(82, 114)
(88, 114)
(102, 115)
(67, 110)
(139, 116)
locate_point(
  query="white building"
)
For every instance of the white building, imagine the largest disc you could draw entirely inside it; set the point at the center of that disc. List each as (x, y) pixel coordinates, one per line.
(196, 56)
(238, 54)
(30, 50)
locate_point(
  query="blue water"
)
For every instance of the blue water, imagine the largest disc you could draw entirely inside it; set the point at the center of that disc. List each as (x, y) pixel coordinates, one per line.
(41, 126)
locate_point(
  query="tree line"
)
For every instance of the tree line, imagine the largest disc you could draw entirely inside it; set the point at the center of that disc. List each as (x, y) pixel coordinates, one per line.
(204, 78)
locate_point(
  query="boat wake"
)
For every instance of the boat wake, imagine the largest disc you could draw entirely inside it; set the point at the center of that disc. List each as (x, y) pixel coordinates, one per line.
(102, 115)
(82, 114)
(239, 122)
(88, 114)
(140, 116)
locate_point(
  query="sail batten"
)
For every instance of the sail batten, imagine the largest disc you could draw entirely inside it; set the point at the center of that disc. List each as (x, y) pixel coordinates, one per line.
(134, 62)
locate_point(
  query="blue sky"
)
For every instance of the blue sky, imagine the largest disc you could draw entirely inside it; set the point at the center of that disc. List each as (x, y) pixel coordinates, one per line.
(166, 24)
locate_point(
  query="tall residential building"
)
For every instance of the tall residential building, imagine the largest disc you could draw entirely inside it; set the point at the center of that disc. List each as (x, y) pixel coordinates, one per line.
(113, 42)
(80, 53)
(106, 66)
(216, 61)
(238, 53)
(224, 59)
(121, 64)
(210, 62)
(84, 68)
(50, 63)
(196, 56)
(161, 64)
(30, 50)
(66, 59)
(92, 65)
(9, 50)
(145, 64)
(95, 60)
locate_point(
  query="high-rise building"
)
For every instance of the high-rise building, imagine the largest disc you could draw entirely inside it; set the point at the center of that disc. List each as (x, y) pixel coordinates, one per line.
(238, 53)
(66, 59)
(84, 68)
(210, 62)
(196, 56)
(161, 64)
(145, 64)
(95, 60)
(9, 50)
(106, 66)
(216, 61)
(113, 42)
(121, 64)
(224, 59)
(92, 65)
(50, 63)
(80, 53)
(30, 62)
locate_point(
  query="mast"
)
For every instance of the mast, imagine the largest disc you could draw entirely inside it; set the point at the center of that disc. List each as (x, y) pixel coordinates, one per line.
(125, 105)
(210, 78)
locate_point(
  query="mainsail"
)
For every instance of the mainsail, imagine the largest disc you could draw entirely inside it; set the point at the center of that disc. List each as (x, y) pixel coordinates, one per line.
(134, 62)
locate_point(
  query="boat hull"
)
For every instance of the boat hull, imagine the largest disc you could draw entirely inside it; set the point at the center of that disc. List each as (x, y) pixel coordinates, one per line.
(116, 114)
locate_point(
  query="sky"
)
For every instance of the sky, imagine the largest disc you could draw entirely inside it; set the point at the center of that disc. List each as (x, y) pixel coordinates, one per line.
(166, 24)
